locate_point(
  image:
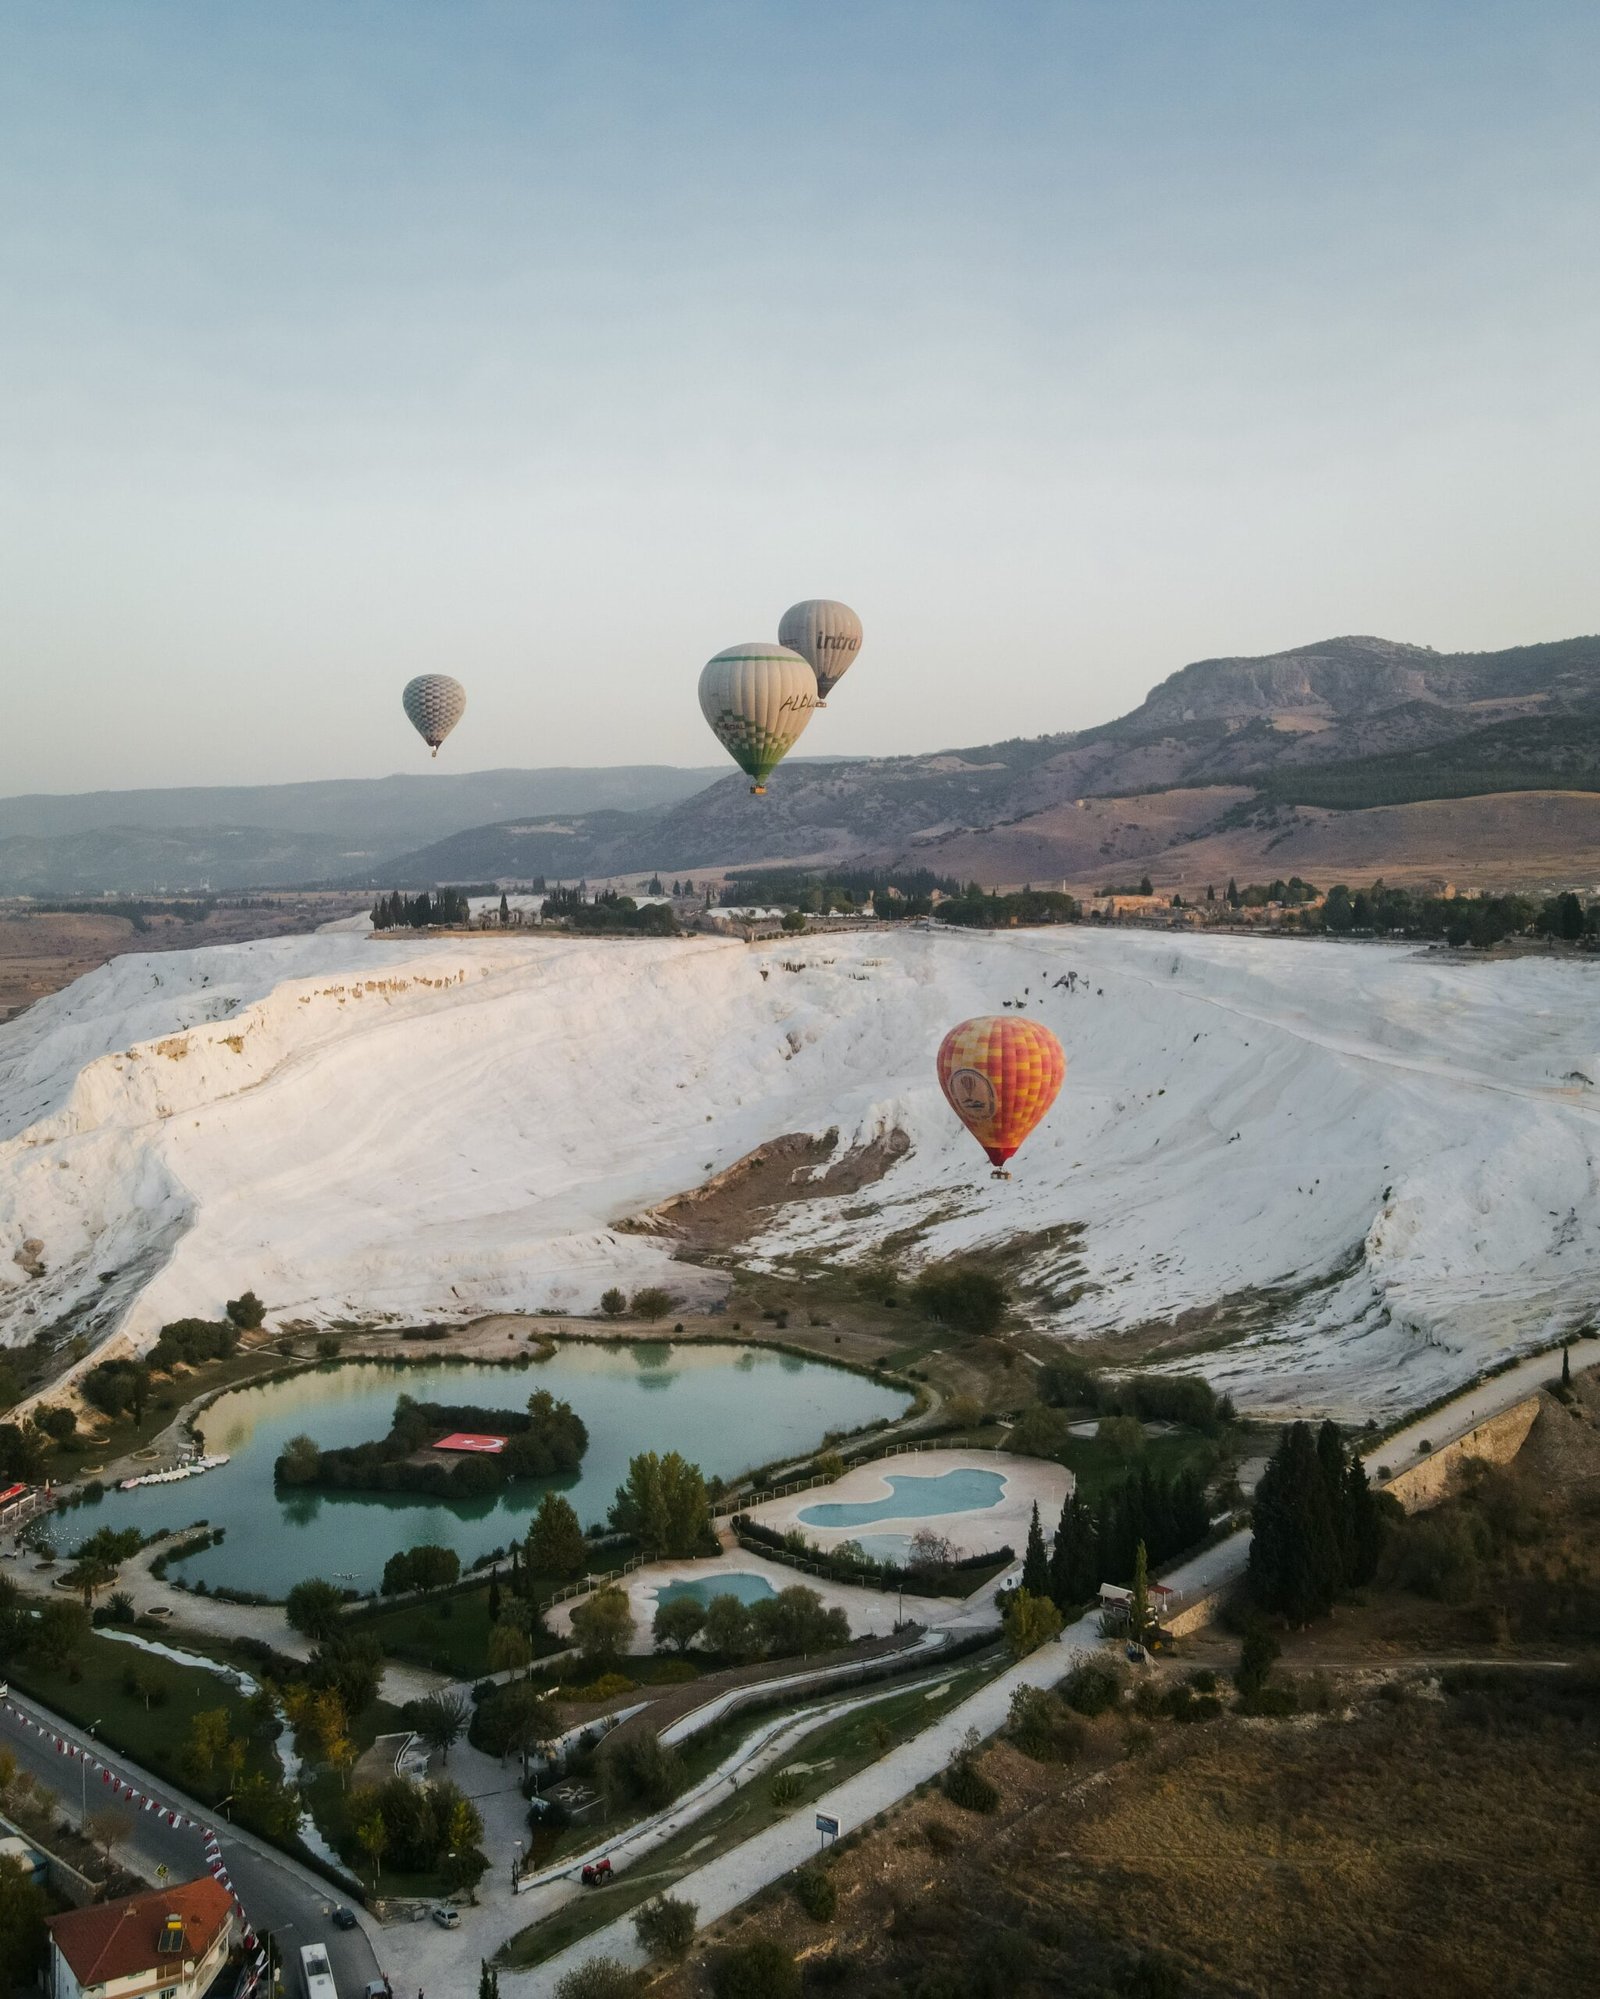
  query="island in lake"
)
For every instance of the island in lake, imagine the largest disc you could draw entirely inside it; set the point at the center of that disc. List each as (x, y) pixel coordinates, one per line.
(445, 1450)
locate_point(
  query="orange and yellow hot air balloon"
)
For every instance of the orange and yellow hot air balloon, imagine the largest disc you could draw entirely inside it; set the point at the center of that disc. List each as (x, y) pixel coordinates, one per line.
(1001, 1076)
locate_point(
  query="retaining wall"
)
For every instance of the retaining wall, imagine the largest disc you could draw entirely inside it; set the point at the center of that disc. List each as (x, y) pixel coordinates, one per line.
(1496, 1441)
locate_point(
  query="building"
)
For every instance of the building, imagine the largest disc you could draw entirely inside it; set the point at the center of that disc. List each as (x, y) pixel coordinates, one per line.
(169, 1945)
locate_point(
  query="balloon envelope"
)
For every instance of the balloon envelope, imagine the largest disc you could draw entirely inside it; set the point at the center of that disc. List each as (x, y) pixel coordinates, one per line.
(825, 632)
(1001, 1076)
(435, 703)
(758, 699)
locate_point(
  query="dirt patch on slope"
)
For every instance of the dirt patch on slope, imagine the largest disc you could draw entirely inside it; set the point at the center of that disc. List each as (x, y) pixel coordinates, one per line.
(739, 1202)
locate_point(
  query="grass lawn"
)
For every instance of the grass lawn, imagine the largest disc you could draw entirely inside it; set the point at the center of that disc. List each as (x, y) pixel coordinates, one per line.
(836, 1751)
(91, 1691)
(450, 1632)
(1097, 1467)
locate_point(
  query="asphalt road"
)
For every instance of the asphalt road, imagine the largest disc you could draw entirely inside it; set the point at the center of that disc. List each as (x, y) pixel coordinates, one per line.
(278, 1894)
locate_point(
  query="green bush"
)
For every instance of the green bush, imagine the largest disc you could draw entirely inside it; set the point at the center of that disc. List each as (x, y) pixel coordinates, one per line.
(666, 1926)
(785, 1788)
(1092, 1688)
(966, 1785)
(961, 1296)
(759, 1970)
(600, 1978)
(816, 1893)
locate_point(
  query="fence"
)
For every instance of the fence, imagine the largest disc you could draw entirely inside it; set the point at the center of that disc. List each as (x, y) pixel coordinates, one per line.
(587, 1585)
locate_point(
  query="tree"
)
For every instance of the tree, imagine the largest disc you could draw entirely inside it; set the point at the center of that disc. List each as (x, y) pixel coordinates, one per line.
(23, 1937)
(613, 1303)
(89, 1573)
(314, 1608)
(517, 1720)
(603, 1626)
(299, 1462)
(207, 1740)
(1123, 1435)
(372, 1836)
(663, 1504)
(961, 1296)
(1566, 1366)
(600, 1978)
(794, 921)
(1074, 1561)
(246, 1311)
(505, 913)
(426, 1567)
(1232, 893)
(23, 1455)
(1036, 1563)
(1030, 1621)
(727, 1628)
(796, 1621)
(1295, 1564)
(1256, 1657)
(556, 1545)
(666, 1926)
(1144, 885)
(651, 1303)
(510, 1649)
(678, 1624)
(350, 1666)
(441, 1721)
(1139, 1603)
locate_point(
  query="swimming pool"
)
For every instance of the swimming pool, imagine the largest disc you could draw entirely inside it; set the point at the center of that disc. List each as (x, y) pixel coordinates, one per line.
(746, 1587)
(913, 1498)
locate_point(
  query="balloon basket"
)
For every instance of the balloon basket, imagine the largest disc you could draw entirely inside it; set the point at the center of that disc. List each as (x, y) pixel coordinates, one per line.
(999, 1173)
(758, 791)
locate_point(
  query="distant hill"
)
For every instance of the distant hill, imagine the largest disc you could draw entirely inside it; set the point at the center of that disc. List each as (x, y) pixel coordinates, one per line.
(1224, 746)
(1239, 751)
(247, 836)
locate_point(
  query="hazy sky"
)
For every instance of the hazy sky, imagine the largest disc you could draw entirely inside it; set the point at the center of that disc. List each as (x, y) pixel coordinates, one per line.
(559, 346)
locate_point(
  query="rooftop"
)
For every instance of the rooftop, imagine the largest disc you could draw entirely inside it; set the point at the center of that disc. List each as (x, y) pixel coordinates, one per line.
(113, 1940)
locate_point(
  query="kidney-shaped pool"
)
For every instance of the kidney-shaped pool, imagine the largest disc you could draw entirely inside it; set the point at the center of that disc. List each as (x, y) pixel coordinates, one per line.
(912, 1498)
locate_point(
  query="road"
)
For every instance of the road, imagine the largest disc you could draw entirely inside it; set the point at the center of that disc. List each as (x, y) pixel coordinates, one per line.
(278, 1894)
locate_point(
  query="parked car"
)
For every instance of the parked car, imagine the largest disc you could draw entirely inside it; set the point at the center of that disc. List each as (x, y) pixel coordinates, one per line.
(447, 1919)
(596, 1873)
(377, 1988)
(343, 1918)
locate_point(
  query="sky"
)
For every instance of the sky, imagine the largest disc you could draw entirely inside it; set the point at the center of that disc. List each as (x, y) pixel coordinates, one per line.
(557, 347)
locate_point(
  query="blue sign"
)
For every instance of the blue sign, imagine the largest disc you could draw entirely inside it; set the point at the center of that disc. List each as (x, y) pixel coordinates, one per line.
(829, 1828)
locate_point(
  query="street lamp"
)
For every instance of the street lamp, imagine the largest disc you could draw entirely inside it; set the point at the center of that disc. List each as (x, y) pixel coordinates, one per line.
(516, 1864)
(83, 1778)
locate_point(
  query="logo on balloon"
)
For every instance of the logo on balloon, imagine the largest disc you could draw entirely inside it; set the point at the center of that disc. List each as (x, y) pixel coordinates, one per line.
(797, 701)
(973, 1094)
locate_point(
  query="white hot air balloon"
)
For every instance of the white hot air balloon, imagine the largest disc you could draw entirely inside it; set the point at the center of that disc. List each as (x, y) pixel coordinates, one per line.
(435, 703)
(758, 699)
(825, 632)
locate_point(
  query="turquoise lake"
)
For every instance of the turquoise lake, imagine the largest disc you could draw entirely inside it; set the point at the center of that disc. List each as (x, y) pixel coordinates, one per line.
(725, 1408)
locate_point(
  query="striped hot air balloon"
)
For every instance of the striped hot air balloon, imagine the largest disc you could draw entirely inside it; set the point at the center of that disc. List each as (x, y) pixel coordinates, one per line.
(435, 703)
(1001, 1076)
(758, 699)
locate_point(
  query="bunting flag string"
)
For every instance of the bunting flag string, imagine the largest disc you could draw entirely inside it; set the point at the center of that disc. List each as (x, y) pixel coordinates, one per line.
(255, 1949)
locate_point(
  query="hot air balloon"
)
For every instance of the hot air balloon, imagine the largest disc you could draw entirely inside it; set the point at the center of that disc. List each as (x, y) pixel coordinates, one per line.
(828, 634)
(1000, 1076)
(758, 698)
(435, 703)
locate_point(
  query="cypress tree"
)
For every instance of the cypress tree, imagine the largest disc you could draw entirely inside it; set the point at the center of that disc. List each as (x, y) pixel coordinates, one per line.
(1363, 1525)
(505, 910)
(1074, 1563)
(1331, 1463)
(1566, 1366)
(1294, 1555)
(1036, 1563)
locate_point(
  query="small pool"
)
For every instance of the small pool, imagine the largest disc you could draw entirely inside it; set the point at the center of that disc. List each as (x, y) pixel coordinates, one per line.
(912, 1498)
(746, 1587)
(884, 1547)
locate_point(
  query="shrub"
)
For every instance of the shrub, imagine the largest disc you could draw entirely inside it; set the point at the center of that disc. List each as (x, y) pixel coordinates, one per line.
(613, 1303)
(639, 1770)
(666, 1926)
(1275, 1702)
(785, 1788)
(652, 1302)
(759, 1970)
(816, 1893)
(961, 1296)
(941, 1836)
(1092, 1688)
(965, 1784)
(600, 1978)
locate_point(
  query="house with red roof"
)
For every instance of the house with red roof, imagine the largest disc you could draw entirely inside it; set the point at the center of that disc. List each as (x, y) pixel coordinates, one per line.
(169, 1945)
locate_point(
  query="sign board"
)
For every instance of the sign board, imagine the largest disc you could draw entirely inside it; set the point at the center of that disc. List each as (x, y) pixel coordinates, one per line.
(828, 1827)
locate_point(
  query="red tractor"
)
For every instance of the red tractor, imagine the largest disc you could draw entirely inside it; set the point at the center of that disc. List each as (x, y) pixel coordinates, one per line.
(596, 1874)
